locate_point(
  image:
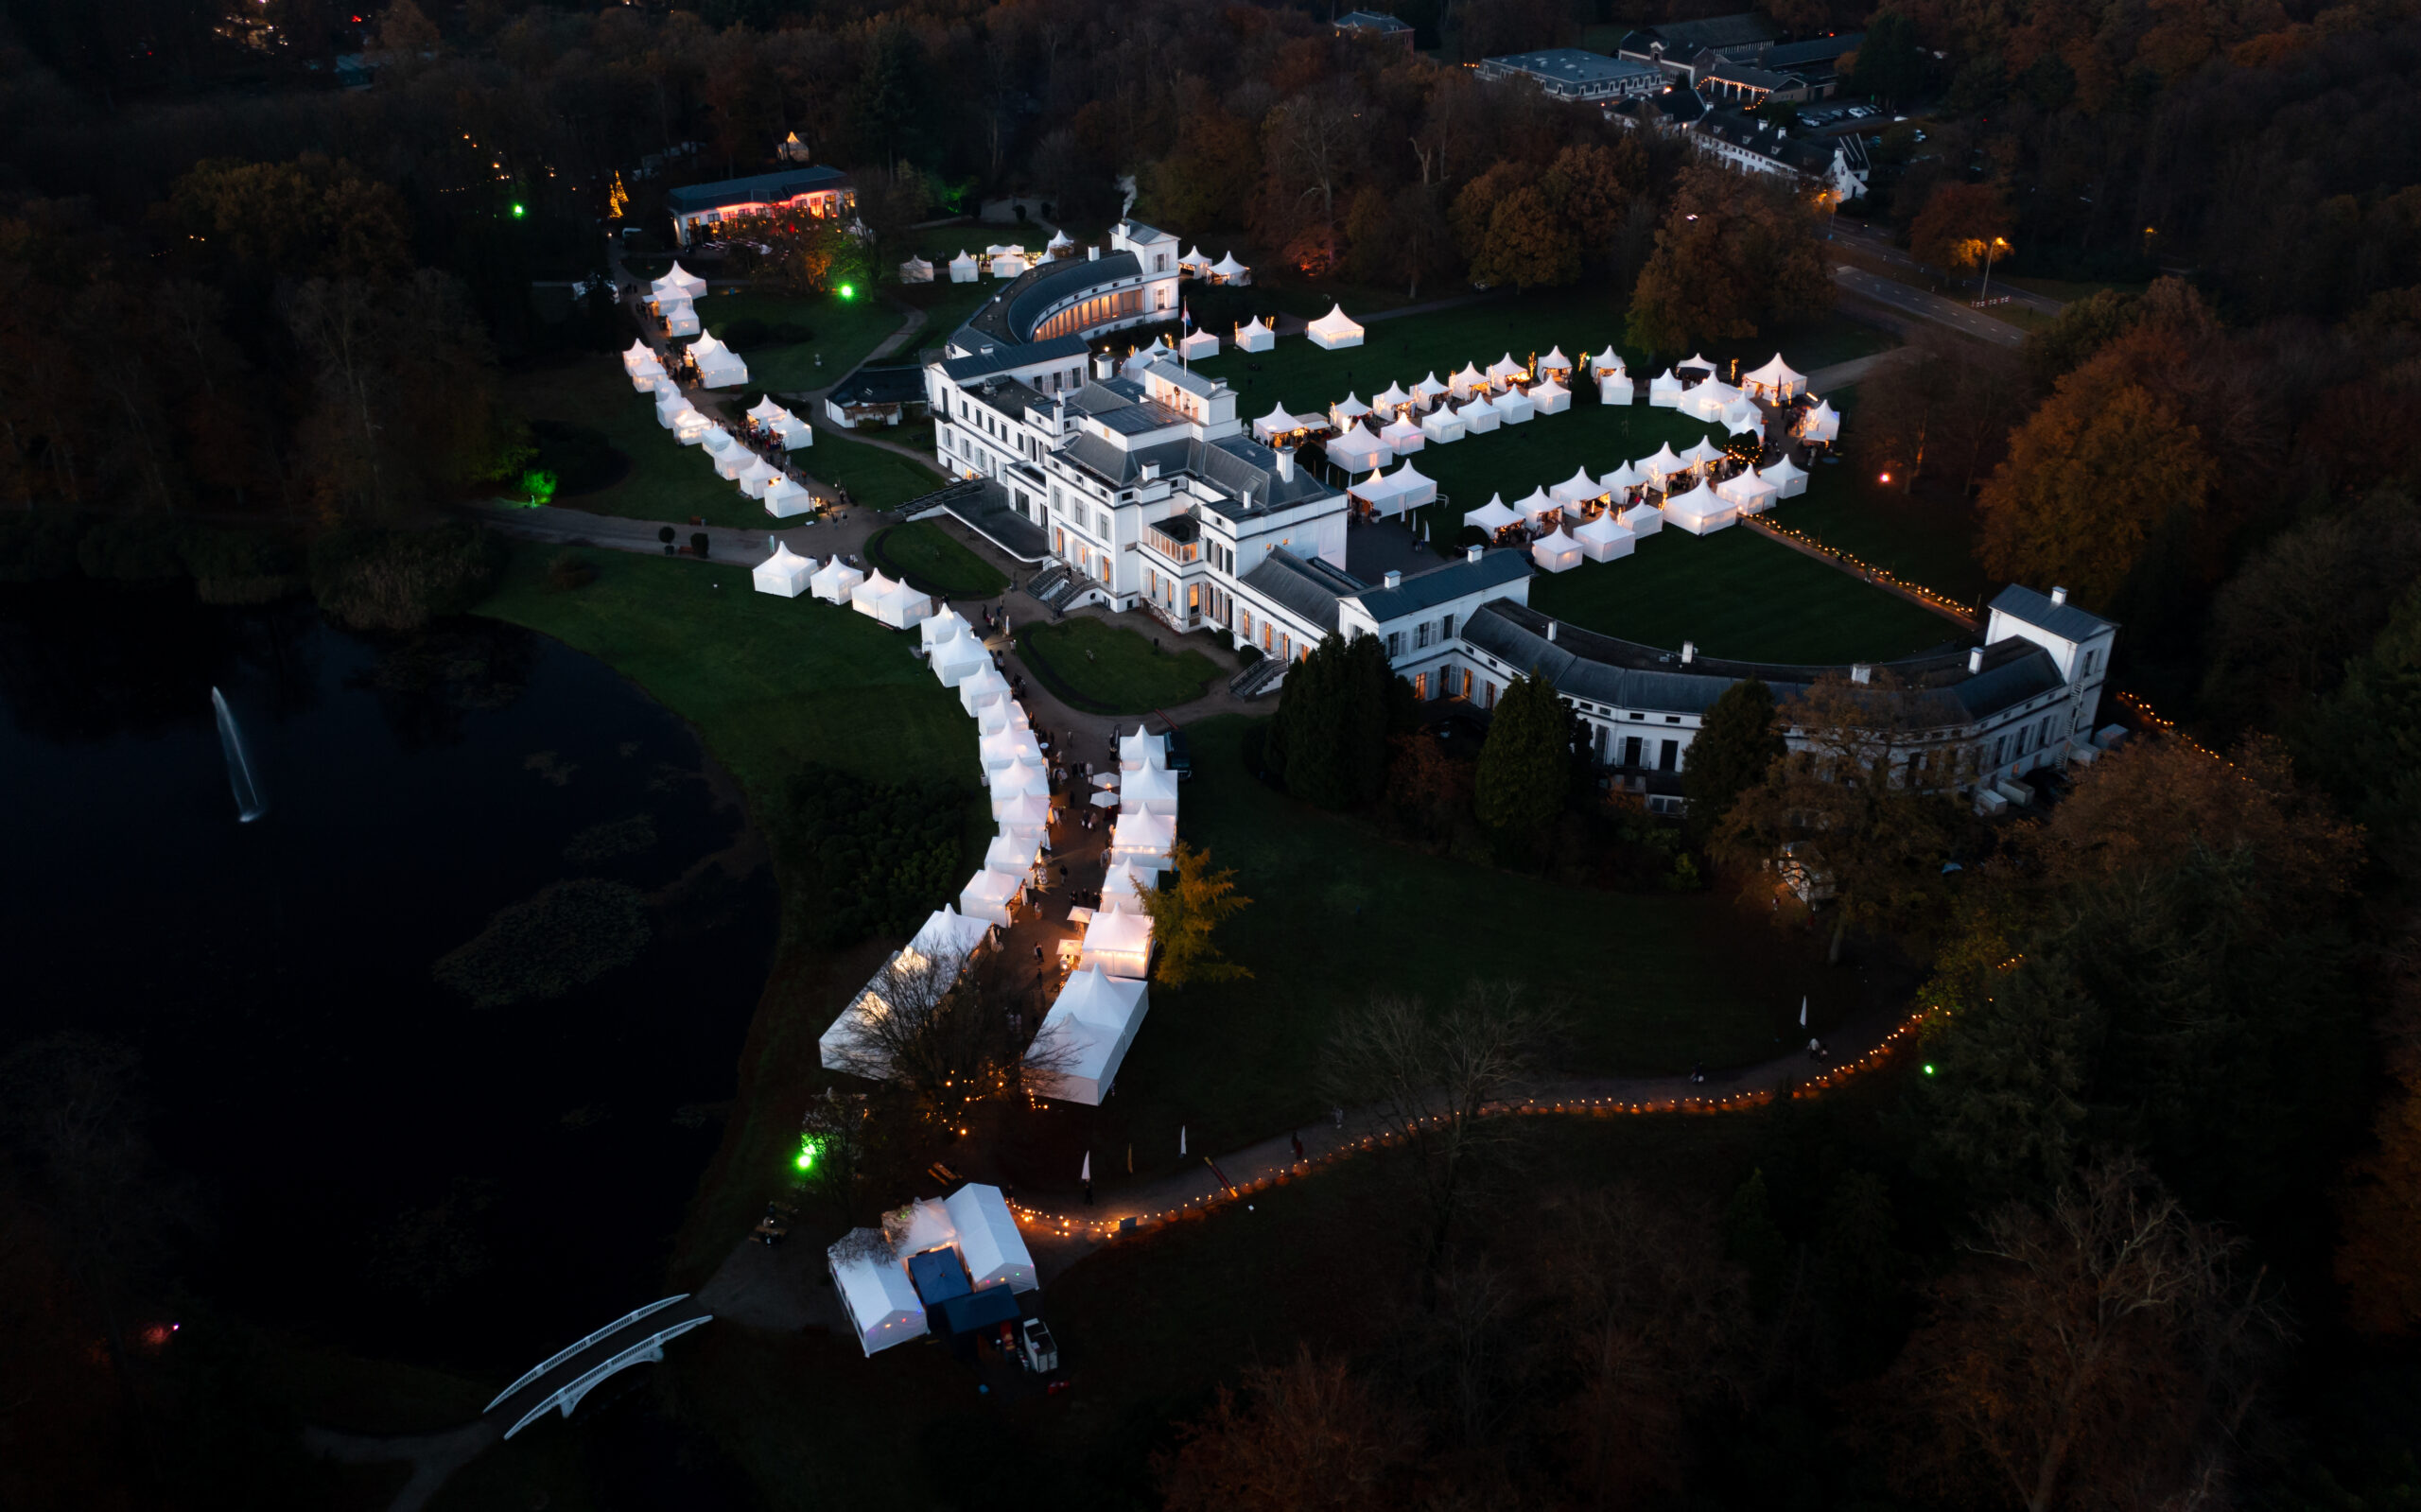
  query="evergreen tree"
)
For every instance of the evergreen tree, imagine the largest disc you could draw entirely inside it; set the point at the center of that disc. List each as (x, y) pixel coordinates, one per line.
(1329, 740)
(1737, 744)
(1525, 765)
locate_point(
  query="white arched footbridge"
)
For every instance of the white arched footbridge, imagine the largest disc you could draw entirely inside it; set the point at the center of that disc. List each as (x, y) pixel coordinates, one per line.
(562, 1379)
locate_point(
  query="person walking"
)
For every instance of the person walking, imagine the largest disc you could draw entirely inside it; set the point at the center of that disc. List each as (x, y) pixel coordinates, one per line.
(1298, 1146)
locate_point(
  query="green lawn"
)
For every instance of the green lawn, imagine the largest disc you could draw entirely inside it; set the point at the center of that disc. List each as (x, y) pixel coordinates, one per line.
(923, 553)
(844, 331)
(666, 479)
(768, 683)
(1657, 982)
(1738, 594)
(1113, 670)
(1923, 542)
(874, 478)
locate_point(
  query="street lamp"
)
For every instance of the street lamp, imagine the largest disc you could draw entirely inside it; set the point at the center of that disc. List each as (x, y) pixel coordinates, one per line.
(1993, 246)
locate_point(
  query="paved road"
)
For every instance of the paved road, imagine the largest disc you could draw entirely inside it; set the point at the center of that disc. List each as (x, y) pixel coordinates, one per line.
(1925, 307)
(1841, 375)
(1872, 242)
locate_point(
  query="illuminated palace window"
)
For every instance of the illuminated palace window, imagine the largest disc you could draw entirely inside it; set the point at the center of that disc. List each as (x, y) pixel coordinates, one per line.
(1123, 305)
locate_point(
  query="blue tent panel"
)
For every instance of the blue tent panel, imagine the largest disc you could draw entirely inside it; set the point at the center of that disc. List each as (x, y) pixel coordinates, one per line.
(938, 1275)
(980, 1310)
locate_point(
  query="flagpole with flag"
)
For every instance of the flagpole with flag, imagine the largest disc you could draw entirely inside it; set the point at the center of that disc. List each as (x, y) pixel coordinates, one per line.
(1802, 1012)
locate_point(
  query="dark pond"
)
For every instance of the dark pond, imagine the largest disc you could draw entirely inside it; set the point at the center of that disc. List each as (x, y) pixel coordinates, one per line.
(364, 1151)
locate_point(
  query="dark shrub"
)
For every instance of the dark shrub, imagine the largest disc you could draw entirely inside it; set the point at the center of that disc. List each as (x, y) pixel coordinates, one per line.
(400, 579)
(744, 332)
(699, 541)
(569, 570)
(233, 564)
(872, 857)
(582, 458)
(131, 549)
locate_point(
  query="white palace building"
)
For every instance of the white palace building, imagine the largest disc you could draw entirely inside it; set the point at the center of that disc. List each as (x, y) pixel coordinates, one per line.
(1144, 490)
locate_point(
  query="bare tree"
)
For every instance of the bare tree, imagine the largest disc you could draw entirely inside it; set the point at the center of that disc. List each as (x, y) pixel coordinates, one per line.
(1858, 799)
(1656, 1323)
(1314, 139)
(1309, 1439)
(940, 1030)
(2102, 1353)
(1431, 1079)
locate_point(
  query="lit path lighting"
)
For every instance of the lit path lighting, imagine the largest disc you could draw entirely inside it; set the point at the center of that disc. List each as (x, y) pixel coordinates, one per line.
(1939, 601)
(1048, 1222)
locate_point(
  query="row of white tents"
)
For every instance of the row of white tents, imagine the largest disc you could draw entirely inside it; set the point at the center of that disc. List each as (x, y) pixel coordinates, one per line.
(783, 495)
(1226, 270)
(675, 297)
(719, 367)
(788, 574)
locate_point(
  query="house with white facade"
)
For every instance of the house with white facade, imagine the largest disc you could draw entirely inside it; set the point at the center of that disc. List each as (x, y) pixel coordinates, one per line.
(1750, 143)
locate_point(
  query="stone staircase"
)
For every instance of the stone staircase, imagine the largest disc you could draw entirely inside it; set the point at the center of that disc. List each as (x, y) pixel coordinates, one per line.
(1054, 586)
(1258, 678)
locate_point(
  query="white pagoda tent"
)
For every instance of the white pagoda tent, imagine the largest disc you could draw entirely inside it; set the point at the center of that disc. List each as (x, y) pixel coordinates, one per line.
(1642, 519)
(1820, 423)
(957, 659)
(1428, 392)
(679, 316)
(1551, 397)
(1605, 538)
(1150, 791)
(1748, 493)
(1504, 373)
(1538, 506)
(1743, 418)
(1665, 391)
(1391, 401)
(1008, 854)
(945, 624)
(1491, 517)
(1577, 489)
(1197, 345)
(669, 405)
(1358, 451)
(1618, 485)
(1060, 244)
(681, 282)
(1343, 414)
(1122, 889)
(1194, 265)
(1694, 363)
(731, 458)
(1403, 436)
(1087, 1030)
(835, 581)
(1228, 271)
(1469, 381)
(1118, 944)
(1028, 819)
(756, 477)
(989, 896)
(1479, 415)
(1254, 337)
(1143, 840)
(1007, 748)
(785, 499)
(915, 271)
(718, 366)
(1702, 455)
(1274, 427)
(1009, 262)
(1335, 331)
(1514, 407)
(1654, 470)
(1708, 400)
(1556, 552)
(988, 1242)
(784, 574)
(987, 686)
(641, 357)
(963, 269)
(1614, 383)
(1141, 749)
(1555, 367)
(1701, 511)
(1441, 425)
(1775, 381)
(1786, 476)
(691, 428)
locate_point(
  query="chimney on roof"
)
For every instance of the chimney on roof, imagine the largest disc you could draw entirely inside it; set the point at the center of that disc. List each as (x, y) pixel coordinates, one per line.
(1861, 673)
(1474, 553)
(1092, 254)
(1393, 580)
(1286, 464)
(1151, 472)
(1975, 660)
(1550, 630)
(2058, 596)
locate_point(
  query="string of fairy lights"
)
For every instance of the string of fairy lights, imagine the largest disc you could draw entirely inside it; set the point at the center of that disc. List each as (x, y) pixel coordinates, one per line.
(2167, 726)
(1933, 599)
(1064, 1226)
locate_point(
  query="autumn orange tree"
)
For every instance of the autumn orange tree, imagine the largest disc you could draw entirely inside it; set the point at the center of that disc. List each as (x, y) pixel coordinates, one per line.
(1732, 257)
(2090, 477)
(2378, 1249)
(1306, 1437)
(1962, 225)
